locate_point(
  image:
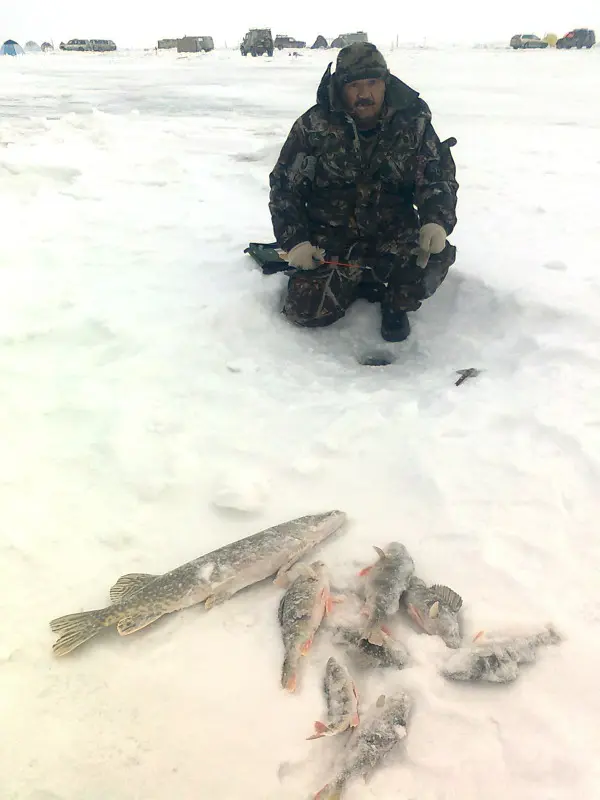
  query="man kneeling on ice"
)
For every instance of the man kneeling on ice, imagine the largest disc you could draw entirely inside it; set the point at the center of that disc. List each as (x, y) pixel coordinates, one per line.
(363, 181)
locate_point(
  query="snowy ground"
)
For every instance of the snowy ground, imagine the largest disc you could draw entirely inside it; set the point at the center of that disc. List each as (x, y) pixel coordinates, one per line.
(149, 382)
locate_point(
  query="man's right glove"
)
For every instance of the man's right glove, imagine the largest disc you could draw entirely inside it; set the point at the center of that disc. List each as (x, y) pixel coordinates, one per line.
(305, 256)
(432, 239)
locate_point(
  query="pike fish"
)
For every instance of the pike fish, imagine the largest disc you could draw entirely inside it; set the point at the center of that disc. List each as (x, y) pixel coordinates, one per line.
(342, 701)
(370, 743)
(497, 660)
(386, 580)
(389, 653)
(138, 599)
(301, 611)
(434, 609)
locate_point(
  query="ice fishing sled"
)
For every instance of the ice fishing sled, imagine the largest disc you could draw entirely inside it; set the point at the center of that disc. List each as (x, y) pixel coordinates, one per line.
(268, 257)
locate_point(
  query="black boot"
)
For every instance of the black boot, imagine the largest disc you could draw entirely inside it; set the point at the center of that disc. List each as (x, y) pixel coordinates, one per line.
(395, 326)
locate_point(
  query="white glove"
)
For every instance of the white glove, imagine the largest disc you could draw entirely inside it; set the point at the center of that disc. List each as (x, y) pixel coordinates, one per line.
(305, 256)
(432, 239)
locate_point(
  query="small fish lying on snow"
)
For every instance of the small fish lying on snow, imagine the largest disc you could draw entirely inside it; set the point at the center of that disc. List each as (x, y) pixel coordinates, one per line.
(368, 744)
(301, 611)
(386, 580)
(497, 660)
(140, 599)
(342, 701)
(389, 653)
(434, 609)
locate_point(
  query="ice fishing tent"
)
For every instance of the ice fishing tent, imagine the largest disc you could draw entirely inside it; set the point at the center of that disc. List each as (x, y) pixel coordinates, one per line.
(32, 47)
(11, 48)
(320, 42)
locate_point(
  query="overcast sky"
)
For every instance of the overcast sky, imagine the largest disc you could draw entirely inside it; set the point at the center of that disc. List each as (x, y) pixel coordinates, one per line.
(132, 23)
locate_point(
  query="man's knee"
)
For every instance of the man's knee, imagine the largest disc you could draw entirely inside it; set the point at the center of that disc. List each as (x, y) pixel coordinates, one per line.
(318, 300)
(410, 284)
(307, 317)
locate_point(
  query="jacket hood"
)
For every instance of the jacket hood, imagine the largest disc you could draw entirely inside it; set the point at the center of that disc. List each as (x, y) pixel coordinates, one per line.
(398, 95)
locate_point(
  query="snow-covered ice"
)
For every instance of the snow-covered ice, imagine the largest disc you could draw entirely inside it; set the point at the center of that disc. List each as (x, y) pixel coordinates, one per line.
(147, 378)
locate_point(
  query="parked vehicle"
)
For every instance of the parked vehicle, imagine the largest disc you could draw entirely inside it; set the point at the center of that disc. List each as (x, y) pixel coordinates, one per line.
(527, 41)
(282, 41)
(579, 37)
(257, 42)
(78, 45)
(195, 44)
(345, 39)
(167, 44)
(102, 45)
(89, 45)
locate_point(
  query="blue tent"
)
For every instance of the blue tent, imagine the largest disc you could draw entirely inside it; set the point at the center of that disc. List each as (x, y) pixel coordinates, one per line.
(11, 48)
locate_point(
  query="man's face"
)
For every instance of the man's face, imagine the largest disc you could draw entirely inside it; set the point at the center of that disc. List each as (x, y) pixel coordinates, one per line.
(364, 100)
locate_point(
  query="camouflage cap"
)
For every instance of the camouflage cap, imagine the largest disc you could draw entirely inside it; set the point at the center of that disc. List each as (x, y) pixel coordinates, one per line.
(360, 61)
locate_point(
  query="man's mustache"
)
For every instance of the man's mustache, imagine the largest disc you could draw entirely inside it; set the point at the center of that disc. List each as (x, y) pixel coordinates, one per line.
(364, 103)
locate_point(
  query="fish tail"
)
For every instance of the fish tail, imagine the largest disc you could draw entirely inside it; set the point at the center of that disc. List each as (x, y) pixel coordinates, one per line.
(320, 730)
(331, 791)
(75, 630)
(289, 677)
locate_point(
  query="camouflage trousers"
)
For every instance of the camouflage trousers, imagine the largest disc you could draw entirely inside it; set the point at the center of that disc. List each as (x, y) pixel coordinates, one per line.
(319, 297)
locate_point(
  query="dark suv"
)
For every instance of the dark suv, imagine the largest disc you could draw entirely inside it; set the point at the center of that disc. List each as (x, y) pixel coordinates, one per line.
(257, 42)
(580, 37)
(288, 41)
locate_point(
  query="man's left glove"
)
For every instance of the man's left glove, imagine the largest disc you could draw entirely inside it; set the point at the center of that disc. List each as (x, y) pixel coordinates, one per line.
(432, 239)
(305, 256)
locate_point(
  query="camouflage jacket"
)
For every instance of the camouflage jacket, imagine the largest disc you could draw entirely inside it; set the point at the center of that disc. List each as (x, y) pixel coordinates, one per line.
(323, 190)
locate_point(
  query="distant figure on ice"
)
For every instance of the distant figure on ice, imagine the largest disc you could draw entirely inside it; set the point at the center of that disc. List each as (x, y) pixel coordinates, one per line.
(363, 179)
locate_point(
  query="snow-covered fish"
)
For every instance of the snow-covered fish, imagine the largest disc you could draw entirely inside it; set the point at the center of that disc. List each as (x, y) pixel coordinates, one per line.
(434, 609)
(301, 611)
(497, 660)
(139, 599)
(386, 580)
(342, 701)
(368, 745)
(390, 653)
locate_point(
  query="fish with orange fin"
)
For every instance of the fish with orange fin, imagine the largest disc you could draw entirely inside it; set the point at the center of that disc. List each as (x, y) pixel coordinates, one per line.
(385, 582)
(497, 659)
(391, 653)
(342, 701)
(368, 745)
(301, 611)
(434, 609)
